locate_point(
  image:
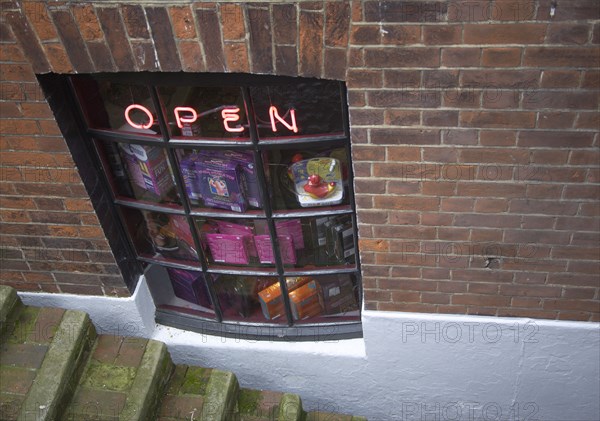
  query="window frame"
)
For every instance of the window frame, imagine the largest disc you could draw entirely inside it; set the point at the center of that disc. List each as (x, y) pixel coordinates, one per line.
(81, 139)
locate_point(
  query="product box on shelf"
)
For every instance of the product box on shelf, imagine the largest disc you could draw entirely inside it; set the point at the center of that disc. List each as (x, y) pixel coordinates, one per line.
(246, 162)
(228, 248)
(238, 229)
(293, 228)
(148, 168)
(338, 294)
(190, 286)
(271, 300)
(220, 184)
(265, 250)
(306, 301)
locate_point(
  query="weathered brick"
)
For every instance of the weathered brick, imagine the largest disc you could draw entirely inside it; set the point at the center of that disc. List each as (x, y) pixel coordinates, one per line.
(337, 22)
(310, 44)
(88, 22)
(562, 57)
(334, 66)
(135, 21)
(504, 119)
(400, 34)
(402, 57)
(210, 35)
(461, 57)
(29, 43)
(406, 11)
(284, 24)
(286, 60)
(501, 57)
(184, 25)
(521, 33)
(162, 34)
(113, 28)
(236, 56)
(442, 34)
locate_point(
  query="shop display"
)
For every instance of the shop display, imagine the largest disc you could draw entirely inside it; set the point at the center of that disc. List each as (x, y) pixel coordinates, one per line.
(338, 294)
(220, 184)
(265, 251)
(306, 301)
(190, 286)
(148, 168)
(271, 300)
(317, 181)
(170, 235)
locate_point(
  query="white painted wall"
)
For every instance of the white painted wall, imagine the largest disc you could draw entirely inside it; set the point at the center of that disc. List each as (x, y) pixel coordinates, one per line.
(407, 367)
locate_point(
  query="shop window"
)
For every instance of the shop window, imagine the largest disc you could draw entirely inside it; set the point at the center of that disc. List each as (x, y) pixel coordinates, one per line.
(235, 193)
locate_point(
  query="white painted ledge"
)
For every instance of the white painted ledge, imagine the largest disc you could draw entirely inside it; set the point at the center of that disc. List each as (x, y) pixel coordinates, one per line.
(408, 366)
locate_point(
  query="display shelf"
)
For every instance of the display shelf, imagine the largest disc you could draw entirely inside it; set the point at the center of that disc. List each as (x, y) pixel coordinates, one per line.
(219, 187)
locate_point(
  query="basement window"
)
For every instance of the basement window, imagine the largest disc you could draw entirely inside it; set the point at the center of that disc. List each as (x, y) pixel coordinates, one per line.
(232, 193)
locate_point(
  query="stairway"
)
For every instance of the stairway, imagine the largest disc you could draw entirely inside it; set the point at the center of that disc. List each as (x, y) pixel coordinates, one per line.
(53, 366)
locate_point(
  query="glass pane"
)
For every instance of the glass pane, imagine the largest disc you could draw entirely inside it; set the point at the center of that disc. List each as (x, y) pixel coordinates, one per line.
(117, 106)
(220, 179)
(140, 172)
(239, 298)
(240, 242)
(181, 290)
(205, 112)
(325, 299)
(160, 236)
(308, 178)
(317, 241)
(298, 110)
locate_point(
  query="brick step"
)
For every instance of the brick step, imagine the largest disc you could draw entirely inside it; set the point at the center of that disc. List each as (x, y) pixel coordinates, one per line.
(124, 379)
(330, 416)
(259, 405)
(43, 351)
(53, 366)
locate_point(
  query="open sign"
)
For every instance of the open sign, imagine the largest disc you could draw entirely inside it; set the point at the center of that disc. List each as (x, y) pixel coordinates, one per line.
(229, 114)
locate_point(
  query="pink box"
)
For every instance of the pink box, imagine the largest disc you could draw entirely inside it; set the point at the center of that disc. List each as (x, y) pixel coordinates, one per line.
(265, 251)
(228, 248)
(293, 228)
(237, 229)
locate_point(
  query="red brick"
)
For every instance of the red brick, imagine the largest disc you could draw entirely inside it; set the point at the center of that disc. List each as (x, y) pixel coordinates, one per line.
(588, 120)
(489, 119)
(286, 60)
(484, 300)
(591, 79)
(407, 203)
(402, 57)
(404, 98)
(442, 34)
(522, 33)
(550, 139)
(337, 21)
(579, 100)
(191, 56)
(402, 78)
(504, 78)
(440, 118)
(210, 35)
(460, 57)
(577, 10)
(501, 57)
(408, 11)
(39, 18)
(364, 78)
(88, 22)
(562, 57)
(405, 136)
(11, 53)
(310, 44)
(284, 24)
(184, 25)
(556, 120)
(236, 56)
(110, 20)
(497, 138)
(560, 79)
(401, 35)
(402, 117)
(567, 33)
(232, 18)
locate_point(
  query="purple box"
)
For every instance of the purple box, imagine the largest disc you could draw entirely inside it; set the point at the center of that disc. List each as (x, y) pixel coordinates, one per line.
(265, 251)
(148, 168)
(228, 248)
(246, 161)
(189, 286)
(220, 184)
(188, 173)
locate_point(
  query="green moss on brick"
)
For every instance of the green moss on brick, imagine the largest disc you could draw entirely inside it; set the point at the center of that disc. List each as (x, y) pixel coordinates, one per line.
(248, 400)
(196, 380)
(109, 377)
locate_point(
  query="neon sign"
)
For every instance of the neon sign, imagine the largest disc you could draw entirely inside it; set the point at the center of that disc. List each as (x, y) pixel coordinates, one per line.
(229, 114)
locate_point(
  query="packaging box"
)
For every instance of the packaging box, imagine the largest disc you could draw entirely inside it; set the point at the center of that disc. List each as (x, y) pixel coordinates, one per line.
(306, 301)
(181, 230)
(265, 250)
(246, 162)
(293, 228)
(238, 229)
(338, 294)
(190, 286)
(271, 300)
(188, 173)
(220, 184)
(148, 168)
(228, 248)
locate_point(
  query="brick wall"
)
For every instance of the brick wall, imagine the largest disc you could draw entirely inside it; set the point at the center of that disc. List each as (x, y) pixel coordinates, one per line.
(474, 128)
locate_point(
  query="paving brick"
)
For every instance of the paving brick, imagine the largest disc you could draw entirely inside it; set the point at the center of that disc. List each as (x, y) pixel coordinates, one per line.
(107, 348)
(131, 352)
(16, 380)
(22, 355)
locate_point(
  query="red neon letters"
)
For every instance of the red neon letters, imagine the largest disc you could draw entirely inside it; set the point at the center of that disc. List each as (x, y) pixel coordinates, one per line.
(230, 115)
(144, 109)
